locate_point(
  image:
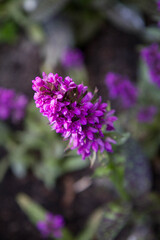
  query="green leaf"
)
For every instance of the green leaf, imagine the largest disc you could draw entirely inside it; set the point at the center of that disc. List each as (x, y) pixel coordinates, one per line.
(48, 171)
(36, 33)
(5, 133)
(19, 159)
(66, 235)
(73, 163)
(33, 210)
(114, 219)
(19, 169)
(91, 227)
(8, 32)
(152, 34)
(120, 138)
(102, 171)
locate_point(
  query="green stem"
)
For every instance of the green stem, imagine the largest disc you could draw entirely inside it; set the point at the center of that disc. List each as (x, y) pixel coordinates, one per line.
(120, 189)
(118, 182)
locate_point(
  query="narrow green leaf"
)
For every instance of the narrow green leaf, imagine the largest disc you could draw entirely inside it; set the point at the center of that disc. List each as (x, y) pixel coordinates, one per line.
(33, 210)
(91, 227)
(5, 133)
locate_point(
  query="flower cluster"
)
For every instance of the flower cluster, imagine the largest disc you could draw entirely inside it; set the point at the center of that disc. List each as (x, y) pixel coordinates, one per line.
(12, 105)
(147, 114)
(51, 226)
(75, 113)
(121, 88)
(72, 58)
(151, 55)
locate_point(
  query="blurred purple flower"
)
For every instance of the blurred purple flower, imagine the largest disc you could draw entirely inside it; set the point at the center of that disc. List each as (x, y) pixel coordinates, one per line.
(6, 102)
(147, 114)
(75, 113)
(151, 55)
(12, 105)
(121, 88)
(72, 58)
(19, 106)
(51, 226)
(158, 5)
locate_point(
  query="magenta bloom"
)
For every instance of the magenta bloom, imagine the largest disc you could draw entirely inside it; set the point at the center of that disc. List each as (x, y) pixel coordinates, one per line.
(12, 105)
(74, 113)
(147, 114)
(151, 56)
(72, 58)
(122, 89)
(51, 226)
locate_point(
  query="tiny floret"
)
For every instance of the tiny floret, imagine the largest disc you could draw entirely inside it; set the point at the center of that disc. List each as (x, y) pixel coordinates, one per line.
(75, 113)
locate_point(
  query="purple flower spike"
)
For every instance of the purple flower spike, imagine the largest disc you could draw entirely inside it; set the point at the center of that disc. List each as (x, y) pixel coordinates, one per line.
(121, 88)
(12, 106)
(72, 58)
(74, 113)
(147, 114)
(51, 226)
(151, 56)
